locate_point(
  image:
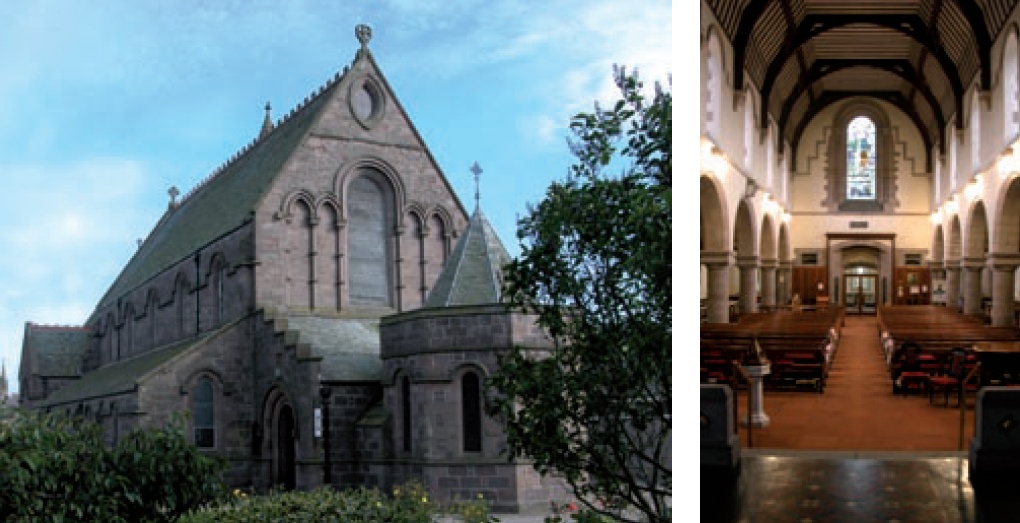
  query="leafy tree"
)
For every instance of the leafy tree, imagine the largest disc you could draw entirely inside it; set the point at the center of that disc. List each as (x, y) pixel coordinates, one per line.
(596, 269)
(57, 469)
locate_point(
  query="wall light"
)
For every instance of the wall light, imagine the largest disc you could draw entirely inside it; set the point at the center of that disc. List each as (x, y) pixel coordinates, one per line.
(951, 206)
(936, 218)
(974, 188)
(787, 217)
(1009, 163)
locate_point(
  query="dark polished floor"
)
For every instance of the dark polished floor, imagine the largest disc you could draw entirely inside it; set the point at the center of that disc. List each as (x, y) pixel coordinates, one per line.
(854, 487)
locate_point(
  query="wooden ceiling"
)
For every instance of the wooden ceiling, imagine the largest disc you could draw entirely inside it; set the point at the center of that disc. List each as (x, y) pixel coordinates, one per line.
(919, 55)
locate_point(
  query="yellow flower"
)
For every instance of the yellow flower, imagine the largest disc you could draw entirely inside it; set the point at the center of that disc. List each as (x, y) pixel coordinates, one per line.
(378, 503)
(424, 499)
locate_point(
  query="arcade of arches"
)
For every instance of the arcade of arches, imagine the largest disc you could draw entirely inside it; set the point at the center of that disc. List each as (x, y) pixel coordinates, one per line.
(860, 211)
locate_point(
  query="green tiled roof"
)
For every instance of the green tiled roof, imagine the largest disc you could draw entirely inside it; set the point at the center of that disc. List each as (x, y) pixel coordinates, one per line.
(220, 204)
(118, 377)
(349, 347)
(474, 273)
(55, 350)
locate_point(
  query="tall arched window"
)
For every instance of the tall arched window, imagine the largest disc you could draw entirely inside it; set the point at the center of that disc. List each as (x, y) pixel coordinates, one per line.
(860, 159)
(861, 171)
(471, 411)
(204, 414)
(369, 230)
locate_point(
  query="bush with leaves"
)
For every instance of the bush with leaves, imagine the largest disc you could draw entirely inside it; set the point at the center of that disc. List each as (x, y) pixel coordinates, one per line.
(409, 504)
(56, 469)
(596, 269)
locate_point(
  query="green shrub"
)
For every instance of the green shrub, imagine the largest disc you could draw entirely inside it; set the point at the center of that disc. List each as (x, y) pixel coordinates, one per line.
(57, 469)
(409, 504)
(473, 511)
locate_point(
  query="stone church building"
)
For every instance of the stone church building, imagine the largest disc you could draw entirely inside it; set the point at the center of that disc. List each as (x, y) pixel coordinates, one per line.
(323, 305)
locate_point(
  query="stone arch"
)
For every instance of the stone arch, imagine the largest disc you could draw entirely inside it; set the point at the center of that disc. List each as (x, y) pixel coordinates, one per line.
(745, 241)
(767, 242)
(371, 218)
(378, 168)
(298, 251)
(938, 244)
(293, 198)
(206, 421)
(976, 240)
(182, 286)
(713, 213)
(280, 421)
(415, 249)
(127, 331)
(955, 244)
(216, 279)
(885, 165)
(1010, 86)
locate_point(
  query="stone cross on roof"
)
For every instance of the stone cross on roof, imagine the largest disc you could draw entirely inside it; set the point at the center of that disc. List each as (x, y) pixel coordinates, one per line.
(477, 171)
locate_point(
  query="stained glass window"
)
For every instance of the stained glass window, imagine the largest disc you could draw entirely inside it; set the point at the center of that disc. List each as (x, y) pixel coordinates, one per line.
(860, 159)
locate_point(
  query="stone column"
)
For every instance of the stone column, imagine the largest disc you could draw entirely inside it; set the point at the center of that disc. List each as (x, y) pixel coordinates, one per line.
(748, 278)
(784, 286)
(972, 285)
(1004, 267)
(768, 282)
(934, 268)
(952, 283)
(718, 264)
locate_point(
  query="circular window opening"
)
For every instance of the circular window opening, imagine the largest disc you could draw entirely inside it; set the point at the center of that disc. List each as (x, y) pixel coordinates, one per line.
(366, 102)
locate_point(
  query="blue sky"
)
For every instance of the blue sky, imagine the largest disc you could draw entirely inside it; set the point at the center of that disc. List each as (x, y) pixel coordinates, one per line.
(106, 104)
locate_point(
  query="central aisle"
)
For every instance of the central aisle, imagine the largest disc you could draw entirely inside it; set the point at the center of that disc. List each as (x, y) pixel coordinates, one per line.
(857, 411)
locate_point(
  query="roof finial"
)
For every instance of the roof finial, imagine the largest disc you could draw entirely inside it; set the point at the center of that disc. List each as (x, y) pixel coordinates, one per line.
(477, 171)
(174, 193)
(364, 34)
(267, 123)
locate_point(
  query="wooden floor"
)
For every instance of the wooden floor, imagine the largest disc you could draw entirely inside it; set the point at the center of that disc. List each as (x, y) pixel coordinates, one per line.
(858, 411)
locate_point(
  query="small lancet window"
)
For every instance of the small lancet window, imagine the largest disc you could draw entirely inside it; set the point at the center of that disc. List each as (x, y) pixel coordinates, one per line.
(861, 156)
(203, 411)
(471, 405)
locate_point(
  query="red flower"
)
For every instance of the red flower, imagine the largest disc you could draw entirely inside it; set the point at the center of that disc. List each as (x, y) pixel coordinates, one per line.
(571, 507)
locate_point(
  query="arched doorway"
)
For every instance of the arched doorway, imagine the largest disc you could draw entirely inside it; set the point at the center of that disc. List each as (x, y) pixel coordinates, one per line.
(284, 455)
(281, 444)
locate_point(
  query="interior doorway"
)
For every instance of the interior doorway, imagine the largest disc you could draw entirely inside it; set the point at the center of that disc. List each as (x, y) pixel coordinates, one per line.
(861, 296)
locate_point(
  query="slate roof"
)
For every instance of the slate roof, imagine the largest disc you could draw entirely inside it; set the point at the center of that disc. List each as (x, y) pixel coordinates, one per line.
(121, 376)
(474, 273)
(349, 347)
(55, 350)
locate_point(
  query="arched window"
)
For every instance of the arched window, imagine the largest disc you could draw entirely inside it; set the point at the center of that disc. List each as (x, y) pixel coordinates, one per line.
(405, 409)
(369, 230)
(860, 159)
(471, 411)
(203, 413)
(861, 171)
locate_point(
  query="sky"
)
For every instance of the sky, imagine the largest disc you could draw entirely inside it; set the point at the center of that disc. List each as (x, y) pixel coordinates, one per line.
(104, 105)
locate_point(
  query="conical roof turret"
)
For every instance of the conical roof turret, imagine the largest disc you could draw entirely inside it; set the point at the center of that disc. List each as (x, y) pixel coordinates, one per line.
(474, 273)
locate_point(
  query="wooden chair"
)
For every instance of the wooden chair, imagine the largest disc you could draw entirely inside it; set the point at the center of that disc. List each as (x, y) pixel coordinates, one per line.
(949, 379)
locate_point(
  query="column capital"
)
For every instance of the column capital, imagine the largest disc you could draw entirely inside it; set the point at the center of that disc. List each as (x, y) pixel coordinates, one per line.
(748, 262)
(952, 265)
(935, 264)
(786, 264)
(769, 263)
(1004, 261)
(715, 259)
(973, 263)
